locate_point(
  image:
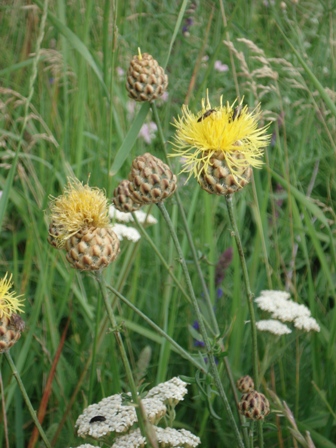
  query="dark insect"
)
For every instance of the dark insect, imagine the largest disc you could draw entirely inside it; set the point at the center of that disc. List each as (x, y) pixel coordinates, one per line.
(97, 418)
(206, 114)
(236, 112)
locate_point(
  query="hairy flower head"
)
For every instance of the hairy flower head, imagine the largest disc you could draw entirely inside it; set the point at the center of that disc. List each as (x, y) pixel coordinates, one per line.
(9, 302)
(79, 207)
(227, 129)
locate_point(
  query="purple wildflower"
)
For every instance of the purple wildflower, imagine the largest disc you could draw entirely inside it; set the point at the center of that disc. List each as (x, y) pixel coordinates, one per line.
(220, 67)
(223, 263)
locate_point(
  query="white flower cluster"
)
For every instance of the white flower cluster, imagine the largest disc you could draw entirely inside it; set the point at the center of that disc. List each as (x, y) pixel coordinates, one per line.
(142, 217)
(280, 306)
(273, 326)
(130, 233)
(86, 445)
(111, 415)
(167, 437)
(170, 392)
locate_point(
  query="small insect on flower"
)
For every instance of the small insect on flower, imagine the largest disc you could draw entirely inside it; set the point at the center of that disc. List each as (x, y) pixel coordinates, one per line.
(98, 418)
(220, 152)
(206, 114)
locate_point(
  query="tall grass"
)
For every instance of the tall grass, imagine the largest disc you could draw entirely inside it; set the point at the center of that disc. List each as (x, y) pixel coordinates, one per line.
(78, 121)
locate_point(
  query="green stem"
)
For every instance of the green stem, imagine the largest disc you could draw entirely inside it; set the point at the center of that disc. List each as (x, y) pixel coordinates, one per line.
(211, 358)
(26, 399)
(160, 256)
(144, 425)
(188, 233)
(214, 324)
(250, 295)
(158, 329)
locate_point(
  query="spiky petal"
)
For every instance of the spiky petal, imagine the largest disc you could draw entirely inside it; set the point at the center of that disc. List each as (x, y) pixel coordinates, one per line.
(225, 129)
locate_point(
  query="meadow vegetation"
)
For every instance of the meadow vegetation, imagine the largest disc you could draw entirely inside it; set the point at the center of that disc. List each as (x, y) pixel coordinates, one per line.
(65, 113)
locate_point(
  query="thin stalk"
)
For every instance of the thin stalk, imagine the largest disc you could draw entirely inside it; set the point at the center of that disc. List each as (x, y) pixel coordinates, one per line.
(26, 399)
(211, 357)
(215, 328)
(251, 434)
(144, 425)
(188, 233)
(250, 295)
(4, 414)
(160, 256)
(158, 329)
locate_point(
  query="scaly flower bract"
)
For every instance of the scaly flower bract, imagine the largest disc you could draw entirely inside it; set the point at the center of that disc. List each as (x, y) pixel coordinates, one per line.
(225, 129)
(9, 302)
(79, 207)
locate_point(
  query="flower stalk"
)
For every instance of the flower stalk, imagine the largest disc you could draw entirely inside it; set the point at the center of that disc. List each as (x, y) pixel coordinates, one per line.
(250, 296)
(209, 351)
(144, 425)
(26, 399)
(214, 323)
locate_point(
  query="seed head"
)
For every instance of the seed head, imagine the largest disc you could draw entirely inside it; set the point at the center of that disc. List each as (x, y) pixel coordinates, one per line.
(254, 405)
(245, 384)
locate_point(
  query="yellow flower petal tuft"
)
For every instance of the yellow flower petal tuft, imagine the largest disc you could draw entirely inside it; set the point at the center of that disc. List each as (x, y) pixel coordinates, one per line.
(226, 129)
(79, 207)
(9, 302)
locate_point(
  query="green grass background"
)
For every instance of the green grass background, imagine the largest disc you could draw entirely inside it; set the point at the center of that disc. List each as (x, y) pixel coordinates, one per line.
(78, 122)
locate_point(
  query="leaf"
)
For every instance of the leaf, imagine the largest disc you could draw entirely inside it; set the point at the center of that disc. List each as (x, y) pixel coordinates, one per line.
(305, 201)
(130, 139)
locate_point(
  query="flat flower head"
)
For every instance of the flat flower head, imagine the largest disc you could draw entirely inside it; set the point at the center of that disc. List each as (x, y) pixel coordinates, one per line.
(10, 302)
(229, 130)
(79, 207)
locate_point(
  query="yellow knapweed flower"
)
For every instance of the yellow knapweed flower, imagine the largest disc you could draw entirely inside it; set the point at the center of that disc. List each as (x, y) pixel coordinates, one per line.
(228, 131)
(10, 302)
(79, 207)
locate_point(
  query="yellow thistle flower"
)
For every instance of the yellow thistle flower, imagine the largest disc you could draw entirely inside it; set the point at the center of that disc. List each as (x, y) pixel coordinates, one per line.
(229, 130)
(10, 303)
(78, 208)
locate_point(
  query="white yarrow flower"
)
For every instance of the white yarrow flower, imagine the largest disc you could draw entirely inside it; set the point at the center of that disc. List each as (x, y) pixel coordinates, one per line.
(169, 392)
(274, 294)
(167, 437)
(281, 307)
(86, 445)
(119, 216)
(142, 217)
(130, 233)
(273, 326)
(306, 323)
(288, 311)
(111, 415)
(145, 218)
